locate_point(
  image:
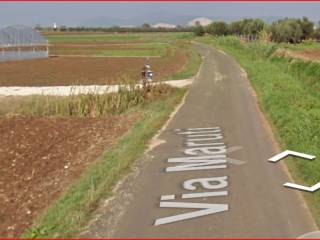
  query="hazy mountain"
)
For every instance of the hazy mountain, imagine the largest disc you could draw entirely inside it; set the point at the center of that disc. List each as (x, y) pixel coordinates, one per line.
(154, 17)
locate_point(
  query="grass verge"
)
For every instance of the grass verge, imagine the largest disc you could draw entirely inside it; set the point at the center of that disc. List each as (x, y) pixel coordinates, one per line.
(85, 105)
(72, 210)
(288, 93)
(192, 67)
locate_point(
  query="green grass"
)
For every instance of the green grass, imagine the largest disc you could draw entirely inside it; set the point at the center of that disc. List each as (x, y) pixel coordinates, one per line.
(143, 49)
(157, 43)
(192, 67)
(66, 217)
(149, 44)
(94, 38)
(113, 52)
(302, 46)
(84, 105)
(129, 53)
(289, 93)
(118, 38)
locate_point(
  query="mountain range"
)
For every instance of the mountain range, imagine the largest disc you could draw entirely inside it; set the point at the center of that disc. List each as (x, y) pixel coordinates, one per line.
(154, 18)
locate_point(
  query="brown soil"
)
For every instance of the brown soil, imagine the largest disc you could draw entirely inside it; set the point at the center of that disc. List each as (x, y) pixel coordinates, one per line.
(40, 157)
(308, 55)
(62, 71)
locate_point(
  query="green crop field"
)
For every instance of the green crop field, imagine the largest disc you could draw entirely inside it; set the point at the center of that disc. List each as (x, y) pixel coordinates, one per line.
(116, 45)
(302, 46)
(117, 37)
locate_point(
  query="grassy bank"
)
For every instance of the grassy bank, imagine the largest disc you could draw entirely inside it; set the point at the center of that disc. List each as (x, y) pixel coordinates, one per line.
(307, 45)
(192, 67)
(84, 105)
(288, 92)
(72, 210)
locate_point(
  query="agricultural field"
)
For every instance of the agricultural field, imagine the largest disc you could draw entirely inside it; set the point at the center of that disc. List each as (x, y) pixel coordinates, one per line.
(308, 50)
(104, 59)
(60, 155)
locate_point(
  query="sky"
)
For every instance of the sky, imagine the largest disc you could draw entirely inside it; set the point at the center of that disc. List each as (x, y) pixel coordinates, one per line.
(136, 13)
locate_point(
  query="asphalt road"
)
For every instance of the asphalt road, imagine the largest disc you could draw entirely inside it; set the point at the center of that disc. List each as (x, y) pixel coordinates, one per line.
(245, 196)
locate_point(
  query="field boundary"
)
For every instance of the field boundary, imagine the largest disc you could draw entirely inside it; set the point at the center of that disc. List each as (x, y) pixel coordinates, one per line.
(81, 89)
(101, 56)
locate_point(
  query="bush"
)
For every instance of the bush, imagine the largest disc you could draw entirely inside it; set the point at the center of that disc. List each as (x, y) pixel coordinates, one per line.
(217, 28)
(86, 105)
(291, 30)
(199, 31)
(316, 34)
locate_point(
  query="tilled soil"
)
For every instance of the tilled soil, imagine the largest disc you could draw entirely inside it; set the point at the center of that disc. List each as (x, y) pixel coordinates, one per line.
(308, 55)
(64, 71)
(40, 158)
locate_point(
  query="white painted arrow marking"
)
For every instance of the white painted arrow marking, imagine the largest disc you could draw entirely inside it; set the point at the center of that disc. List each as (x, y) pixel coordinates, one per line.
(286, 153)
(304, 188)
(205, 209)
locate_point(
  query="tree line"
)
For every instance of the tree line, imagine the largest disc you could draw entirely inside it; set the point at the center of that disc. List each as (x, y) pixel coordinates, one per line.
(290, 30)
(115, 29)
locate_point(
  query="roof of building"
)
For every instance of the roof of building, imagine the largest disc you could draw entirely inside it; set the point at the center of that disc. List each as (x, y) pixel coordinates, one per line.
(21, 35)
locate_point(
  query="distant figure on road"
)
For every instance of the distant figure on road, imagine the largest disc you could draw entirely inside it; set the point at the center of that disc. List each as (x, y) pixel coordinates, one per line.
(146, 74)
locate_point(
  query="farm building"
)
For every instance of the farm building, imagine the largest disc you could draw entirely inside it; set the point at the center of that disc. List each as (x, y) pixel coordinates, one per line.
(22, 42)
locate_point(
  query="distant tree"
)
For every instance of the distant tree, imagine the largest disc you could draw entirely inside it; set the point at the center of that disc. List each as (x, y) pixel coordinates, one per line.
(307, 27)
(199, 30)
(146, 25)
(316, 34)
(236, 28)
(252, 27)
(287, 30)
(63, 28)
(249, 28)
(217, 28)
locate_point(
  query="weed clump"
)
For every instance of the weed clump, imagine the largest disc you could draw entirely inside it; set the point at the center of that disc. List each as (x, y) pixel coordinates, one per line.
(92, 104)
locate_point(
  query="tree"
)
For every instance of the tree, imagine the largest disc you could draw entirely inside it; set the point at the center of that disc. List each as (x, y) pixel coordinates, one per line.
(63, 28)
(146, 25)
(236, 28)
(316, 34)
(287, 30)
(217, 28)
(199, 30)
(307, 27)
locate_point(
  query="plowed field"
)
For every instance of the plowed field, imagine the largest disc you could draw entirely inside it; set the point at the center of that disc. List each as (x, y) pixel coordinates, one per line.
(40, 158)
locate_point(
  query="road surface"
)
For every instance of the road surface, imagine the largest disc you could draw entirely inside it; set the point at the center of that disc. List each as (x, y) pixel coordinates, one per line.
(210, 176)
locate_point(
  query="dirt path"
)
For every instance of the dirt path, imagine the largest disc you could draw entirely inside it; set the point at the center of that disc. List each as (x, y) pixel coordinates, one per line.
(210, 176)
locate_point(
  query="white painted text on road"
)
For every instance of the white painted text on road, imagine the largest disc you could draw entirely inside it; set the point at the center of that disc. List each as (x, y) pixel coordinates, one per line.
(204, 151)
